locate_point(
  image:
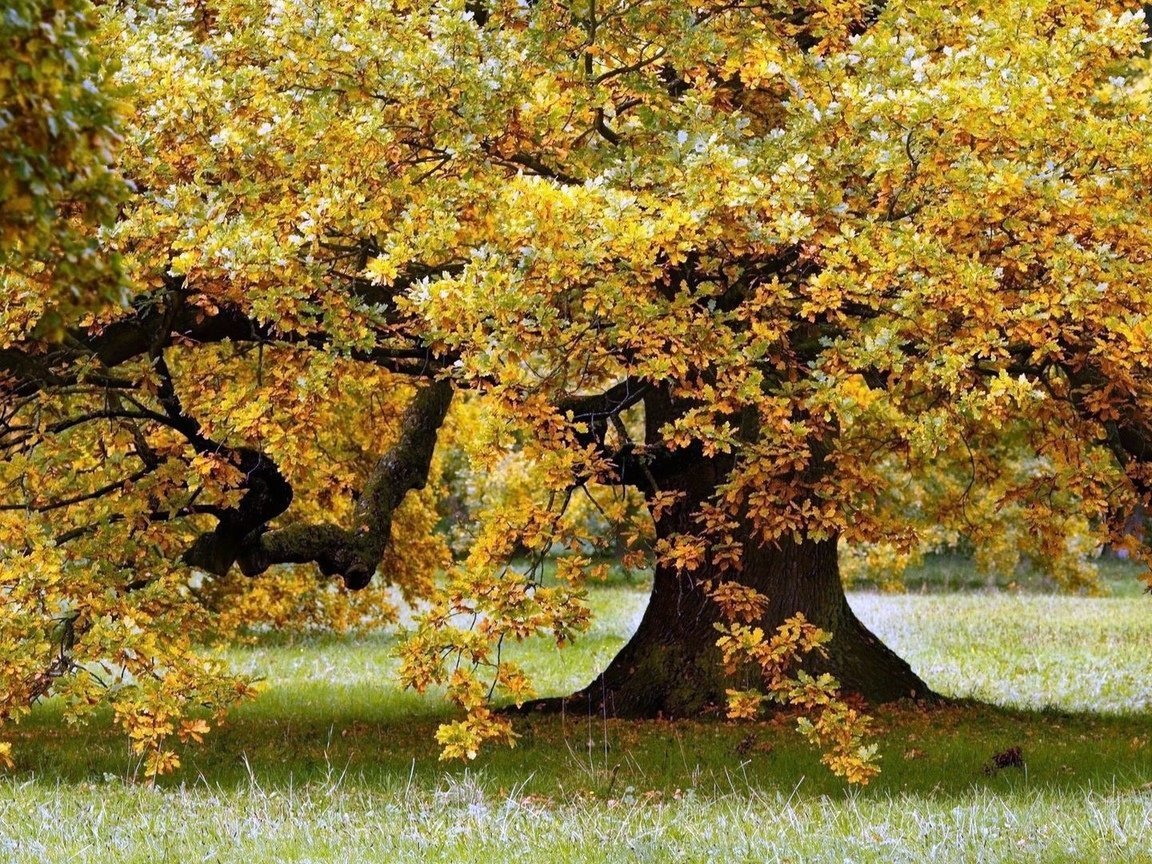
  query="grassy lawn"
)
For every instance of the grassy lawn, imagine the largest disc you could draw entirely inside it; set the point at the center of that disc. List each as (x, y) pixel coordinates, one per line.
(333, 763)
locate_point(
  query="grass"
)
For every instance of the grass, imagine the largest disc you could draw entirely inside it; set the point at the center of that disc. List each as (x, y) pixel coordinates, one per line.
(947, 573)
(333, 763)
(463, 821)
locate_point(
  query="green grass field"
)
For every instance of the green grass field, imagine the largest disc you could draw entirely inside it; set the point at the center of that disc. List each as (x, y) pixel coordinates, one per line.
(333, 763)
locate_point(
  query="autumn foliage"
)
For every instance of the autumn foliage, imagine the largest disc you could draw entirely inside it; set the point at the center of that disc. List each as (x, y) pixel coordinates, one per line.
(288, 284)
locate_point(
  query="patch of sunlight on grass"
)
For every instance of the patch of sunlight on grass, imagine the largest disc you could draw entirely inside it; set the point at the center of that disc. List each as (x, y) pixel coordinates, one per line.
(461, 820)
(1023, 650)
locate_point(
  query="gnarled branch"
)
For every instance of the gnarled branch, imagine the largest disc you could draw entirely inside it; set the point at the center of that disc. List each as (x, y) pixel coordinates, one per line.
(355, 552)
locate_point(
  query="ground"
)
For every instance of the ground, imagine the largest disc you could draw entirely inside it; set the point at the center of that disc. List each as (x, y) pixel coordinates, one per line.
(332, 763)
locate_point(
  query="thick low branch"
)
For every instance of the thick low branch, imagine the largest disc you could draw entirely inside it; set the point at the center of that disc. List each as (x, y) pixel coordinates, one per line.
(356, 551)
(266, 495)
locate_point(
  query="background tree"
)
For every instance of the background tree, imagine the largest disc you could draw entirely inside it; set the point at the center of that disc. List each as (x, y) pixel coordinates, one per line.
(754, 261)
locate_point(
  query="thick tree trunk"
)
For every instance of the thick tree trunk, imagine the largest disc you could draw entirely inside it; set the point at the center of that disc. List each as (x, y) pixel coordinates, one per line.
(671, 666)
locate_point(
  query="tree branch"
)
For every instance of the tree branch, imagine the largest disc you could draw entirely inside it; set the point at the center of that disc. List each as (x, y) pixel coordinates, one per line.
(355, 552)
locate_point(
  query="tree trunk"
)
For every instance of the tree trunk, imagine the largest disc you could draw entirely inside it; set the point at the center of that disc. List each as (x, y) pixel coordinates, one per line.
(671, 666)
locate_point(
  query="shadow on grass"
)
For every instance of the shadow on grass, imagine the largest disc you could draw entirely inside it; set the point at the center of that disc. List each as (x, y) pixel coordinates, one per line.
(383, 739)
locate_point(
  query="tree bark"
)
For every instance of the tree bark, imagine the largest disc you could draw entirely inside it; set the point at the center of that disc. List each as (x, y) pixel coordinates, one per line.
(671, 666)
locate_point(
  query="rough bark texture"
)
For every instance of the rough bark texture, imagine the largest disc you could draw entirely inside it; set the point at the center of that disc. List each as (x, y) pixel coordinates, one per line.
(671, 666)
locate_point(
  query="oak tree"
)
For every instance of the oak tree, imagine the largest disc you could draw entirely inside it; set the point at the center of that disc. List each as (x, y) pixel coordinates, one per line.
(797, 275)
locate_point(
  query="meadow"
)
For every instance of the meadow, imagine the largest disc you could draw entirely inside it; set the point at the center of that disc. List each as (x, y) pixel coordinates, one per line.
(334, 763)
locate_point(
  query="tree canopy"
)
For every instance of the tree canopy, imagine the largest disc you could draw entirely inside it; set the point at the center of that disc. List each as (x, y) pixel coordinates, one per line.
(883, 267)
(57, 134)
